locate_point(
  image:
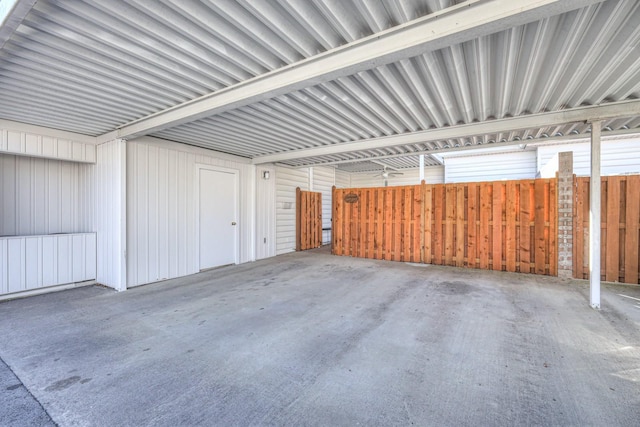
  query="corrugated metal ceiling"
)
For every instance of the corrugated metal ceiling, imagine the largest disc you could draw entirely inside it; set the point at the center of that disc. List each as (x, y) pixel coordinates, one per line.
(92, 66)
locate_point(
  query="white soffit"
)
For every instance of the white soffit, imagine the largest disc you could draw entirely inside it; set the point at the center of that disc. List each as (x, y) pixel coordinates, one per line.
(93, 66)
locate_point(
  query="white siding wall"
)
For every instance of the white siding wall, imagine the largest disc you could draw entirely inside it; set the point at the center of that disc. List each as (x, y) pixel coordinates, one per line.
(43, 196)
(111, 218)
(323, 181)
(161, 208)
(343, 179)
(34, 262)
(491, 167)
(286, 182)
(27, 140)
(432, 175)
(265, 212)
(618, 156)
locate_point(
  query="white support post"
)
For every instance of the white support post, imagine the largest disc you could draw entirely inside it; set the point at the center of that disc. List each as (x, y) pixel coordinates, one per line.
(594, 217)
(421, 168)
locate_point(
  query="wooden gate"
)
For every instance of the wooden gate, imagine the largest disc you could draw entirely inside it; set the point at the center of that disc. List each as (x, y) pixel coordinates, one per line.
(308, 220)
(504, 225)
(620, 225)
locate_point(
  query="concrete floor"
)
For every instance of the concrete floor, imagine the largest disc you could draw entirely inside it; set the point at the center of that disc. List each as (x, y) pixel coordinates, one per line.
(312, 339)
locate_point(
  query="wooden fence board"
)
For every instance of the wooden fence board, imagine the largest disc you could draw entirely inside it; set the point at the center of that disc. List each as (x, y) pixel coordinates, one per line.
(510, 228)
(438, 204)
(551, 217)
(525, 229)
(406, 224)
(417, 228)
(612, 252)
(472, 226)
(428, 222)
(496, 222)
(485, 216)
(460, 225)
(632, 217)
(449, 219)
(539, 228)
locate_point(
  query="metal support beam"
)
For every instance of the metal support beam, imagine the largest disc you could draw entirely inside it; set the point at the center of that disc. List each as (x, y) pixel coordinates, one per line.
(594, 217)
(453, 25)
(532, 121)
(421, 167)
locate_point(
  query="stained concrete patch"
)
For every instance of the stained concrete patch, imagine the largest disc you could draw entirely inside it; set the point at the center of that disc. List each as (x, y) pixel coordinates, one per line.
(330, 341)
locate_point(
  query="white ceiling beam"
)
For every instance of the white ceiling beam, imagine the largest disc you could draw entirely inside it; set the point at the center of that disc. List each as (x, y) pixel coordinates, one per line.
(567, 139)
(532, 121)
(453, 25)
(12, 13)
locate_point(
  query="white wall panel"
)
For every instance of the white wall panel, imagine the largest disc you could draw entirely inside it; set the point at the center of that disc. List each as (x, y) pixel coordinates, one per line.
(617, 156)
(323, 182)
(287, 180)
(28, 140)
(44, 196)
(491, 167)
(111, 216)
(161, 208)
(343, 179)
(265, 212)
(33, 262)
(432, 175)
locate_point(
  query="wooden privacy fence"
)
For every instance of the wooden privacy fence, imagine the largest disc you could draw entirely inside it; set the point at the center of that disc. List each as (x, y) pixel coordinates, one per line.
(619, 225)
(505, 225)
(308, 220)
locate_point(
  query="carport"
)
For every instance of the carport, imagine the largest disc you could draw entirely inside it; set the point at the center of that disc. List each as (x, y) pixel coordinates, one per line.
(145, 142)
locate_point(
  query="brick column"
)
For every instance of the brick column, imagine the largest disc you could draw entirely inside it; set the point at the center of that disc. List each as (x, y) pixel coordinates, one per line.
(565, 214)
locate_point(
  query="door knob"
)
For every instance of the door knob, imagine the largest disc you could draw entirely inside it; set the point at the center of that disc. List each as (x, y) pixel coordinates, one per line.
(233, 223)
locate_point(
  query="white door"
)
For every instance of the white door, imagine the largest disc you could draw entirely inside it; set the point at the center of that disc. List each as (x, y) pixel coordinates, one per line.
(218, 218)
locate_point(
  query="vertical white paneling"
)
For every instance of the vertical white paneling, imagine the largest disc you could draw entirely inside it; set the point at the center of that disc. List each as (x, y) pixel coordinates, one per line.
(33, 262)
(90, 259)
(14, 142)
(617, 156)
(343, 179)
(16, 265)
(287, 180)
(50, 260)
(111, 214)
(323, 181)
(44, 196)
(161, 216)
(265, 212)
(65, 259)
(491, 167)
(4, 260)
(77, 258)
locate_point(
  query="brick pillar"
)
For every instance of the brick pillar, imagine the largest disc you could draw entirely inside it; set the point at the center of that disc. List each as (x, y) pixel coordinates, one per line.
(565, 214)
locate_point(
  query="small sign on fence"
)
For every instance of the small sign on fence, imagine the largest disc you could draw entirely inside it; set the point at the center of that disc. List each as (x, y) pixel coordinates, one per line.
(350, 198)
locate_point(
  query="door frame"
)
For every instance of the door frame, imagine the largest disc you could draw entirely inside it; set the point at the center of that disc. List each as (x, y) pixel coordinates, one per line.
(236, 190)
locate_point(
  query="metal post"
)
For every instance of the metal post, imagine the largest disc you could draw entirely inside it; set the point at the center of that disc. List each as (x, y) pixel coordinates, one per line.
(594, 217)
(421, 167)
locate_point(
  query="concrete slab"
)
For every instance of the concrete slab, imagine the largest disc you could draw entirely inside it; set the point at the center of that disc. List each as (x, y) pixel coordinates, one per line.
(311, 339)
